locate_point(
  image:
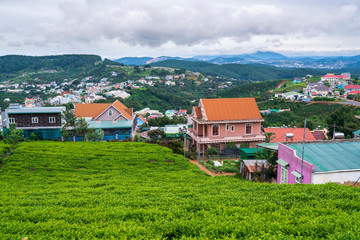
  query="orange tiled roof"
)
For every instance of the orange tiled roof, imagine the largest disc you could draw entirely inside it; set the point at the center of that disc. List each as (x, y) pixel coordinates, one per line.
(230, 109)
(90, 109)
(198, 112)
(143, 119)
(95, 109)
(298, 134)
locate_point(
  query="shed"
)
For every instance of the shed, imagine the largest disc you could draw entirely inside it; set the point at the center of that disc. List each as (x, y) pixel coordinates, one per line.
(249, 167)
(248, 153)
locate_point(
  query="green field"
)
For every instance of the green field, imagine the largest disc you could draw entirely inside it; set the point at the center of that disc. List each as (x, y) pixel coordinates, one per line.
(105, 190)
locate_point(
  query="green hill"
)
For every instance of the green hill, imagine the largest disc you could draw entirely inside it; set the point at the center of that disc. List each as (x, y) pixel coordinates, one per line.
(16, 63)
(240, 71)
(84, 190)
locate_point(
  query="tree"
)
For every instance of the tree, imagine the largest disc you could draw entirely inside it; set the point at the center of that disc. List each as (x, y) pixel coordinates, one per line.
(81, 127)
(212, 151)
(137, 138)
(14, 135)
(96, 136)
(344, 121)
(156, 134)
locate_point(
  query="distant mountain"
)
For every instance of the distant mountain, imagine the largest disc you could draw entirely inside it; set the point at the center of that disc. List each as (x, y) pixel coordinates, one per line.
(133, 60)
(254, 72)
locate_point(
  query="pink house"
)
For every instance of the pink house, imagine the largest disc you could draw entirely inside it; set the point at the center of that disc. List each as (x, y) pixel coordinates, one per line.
(220, 121)
(324, 161)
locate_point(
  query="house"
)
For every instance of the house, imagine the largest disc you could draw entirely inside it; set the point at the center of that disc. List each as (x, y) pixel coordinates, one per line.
(317, 89)
(140, 121)
(46, 122)
(356, 134)
(332, 78)
(351, 87)
(297, 80)
(117, 121)
(293, 96)
(289, 134)
(170, 113)
(225, 120)
(325, 161)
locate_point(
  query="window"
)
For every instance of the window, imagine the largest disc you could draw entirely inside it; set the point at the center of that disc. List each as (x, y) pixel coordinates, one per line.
(233, 128)
(298, 179)
(110, 113)
(11, 120)
(227, 127)
(284, 174)
(215, 130)
(34, 120)
(52, 120)
(195, 125)
(248, 128)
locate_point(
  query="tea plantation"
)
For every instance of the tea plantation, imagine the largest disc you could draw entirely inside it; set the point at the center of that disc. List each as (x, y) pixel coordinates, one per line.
(105, 190)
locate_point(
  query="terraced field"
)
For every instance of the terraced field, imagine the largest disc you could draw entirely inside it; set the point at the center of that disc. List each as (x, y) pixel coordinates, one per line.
(105, 190)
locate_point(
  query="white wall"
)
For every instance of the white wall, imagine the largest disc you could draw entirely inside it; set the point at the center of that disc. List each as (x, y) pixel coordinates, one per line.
(338, 177)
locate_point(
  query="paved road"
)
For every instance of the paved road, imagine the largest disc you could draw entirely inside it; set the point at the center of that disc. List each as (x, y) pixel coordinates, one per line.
(351, 102)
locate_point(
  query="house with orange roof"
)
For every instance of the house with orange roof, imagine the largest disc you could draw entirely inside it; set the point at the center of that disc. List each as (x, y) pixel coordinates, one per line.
(226, 120)
(289, 134)
(117, 121)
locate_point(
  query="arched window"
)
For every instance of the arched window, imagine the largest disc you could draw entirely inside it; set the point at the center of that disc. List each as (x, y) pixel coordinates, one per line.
(110, 113)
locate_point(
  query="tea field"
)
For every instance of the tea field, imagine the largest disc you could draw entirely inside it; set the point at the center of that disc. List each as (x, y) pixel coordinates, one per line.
(88, 190)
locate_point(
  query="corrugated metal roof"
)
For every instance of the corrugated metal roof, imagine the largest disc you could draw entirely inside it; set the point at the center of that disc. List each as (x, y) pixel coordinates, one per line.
(330, 156)
(221, 109)
(110, 124)
(272, 146)
(255, 165)
(36, 110)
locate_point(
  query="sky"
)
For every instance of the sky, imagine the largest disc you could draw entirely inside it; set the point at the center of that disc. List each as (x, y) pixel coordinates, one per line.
(130, 28)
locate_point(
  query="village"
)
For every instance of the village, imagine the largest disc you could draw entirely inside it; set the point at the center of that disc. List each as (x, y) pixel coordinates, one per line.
(227, 128)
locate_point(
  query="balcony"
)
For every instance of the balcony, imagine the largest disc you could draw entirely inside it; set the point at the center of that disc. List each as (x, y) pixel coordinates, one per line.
(241, 138)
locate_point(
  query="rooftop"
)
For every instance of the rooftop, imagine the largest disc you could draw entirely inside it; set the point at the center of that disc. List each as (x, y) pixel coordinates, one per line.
(221, 109)
(280, 134)
(331, 156)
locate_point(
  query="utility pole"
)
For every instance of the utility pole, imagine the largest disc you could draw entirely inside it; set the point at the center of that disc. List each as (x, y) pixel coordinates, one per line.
(302, 157)
(199, 154)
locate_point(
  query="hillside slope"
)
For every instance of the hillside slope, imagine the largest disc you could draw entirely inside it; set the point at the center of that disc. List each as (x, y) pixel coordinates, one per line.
(240, 71)
(84, 190)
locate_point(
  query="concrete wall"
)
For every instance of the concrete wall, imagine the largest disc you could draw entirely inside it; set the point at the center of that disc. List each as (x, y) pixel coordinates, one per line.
(289, 155)
(338, 177)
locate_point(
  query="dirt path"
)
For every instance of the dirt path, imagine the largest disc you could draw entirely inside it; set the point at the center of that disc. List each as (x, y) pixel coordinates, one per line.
(202, 168)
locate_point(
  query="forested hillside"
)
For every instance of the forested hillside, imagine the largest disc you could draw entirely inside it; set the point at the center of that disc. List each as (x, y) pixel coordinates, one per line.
(253, 72)
(15, 63)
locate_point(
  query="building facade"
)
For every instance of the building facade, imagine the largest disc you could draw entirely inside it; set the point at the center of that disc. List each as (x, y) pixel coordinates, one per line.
(45, 122)
(116, 120)
(227, 120)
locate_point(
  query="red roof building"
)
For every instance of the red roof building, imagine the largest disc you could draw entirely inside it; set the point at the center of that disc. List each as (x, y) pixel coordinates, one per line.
(222, 120)
(289, 134)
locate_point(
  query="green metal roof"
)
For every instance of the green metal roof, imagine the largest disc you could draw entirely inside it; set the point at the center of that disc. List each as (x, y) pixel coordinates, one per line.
(110, 124)
(357, 132)
(271, 146)
(333, 156)
(282, 162)
(250, 150)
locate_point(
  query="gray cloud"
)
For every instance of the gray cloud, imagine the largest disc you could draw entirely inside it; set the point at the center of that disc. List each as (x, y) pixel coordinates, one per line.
(186, 24)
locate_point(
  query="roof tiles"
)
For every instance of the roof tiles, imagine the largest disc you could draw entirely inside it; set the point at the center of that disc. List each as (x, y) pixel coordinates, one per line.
(298, 134)
(221, 109)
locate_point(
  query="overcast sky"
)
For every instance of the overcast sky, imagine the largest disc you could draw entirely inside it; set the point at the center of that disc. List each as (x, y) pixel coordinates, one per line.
(118, 28)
